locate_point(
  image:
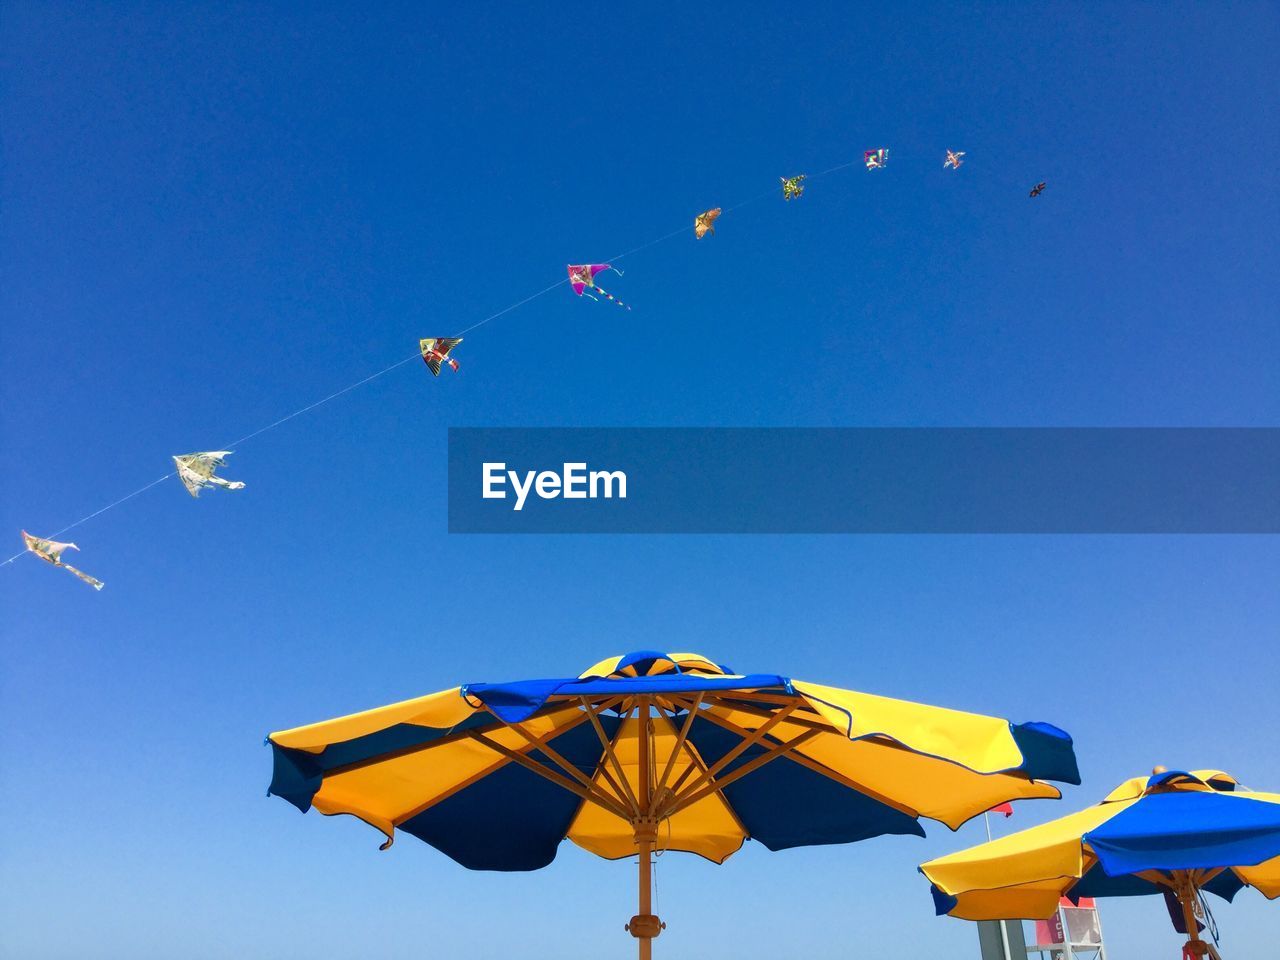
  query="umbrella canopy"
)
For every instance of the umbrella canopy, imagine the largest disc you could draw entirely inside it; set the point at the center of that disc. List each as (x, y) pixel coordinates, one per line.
(659, 750)
(1175, 833)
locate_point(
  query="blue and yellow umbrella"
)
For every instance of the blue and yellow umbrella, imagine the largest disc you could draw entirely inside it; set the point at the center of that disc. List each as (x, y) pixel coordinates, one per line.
(665, 751)
(1173, 833)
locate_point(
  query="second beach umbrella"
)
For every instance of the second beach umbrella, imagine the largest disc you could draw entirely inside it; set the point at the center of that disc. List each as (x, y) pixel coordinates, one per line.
(1173, 833)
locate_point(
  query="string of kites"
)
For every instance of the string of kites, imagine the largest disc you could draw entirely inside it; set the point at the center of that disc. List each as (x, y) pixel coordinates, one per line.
(198, 471)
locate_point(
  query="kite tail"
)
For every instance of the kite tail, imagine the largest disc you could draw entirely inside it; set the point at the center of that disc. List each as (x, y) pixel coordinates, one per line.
(452, 363)
(606, 293)
(96, 584)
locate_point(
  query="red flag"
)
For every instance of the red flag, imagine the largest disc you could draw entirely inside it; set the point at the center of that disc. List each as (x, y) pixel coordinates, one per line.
(1006, 808)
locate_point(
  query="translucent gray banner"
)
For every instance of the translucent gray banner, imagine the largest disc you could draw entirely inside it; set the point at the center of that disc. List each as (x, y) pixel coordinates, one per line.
(809, 480)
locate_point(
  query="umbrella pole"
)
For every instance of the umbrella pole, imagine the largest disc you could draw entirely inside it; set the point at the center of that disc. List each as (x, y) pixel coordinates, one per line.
(646, 900)
(645, 926)
(1195, 947)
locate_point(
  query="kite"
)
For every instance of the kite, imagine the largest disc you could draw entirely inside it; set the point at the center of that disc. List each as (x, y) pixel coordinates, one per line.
(953, 160)
(792, 187)
(583, 275)
(705, 223)
(196, 471)
(875, 159)
(435, 351)
(51, 551)
(1037, 189)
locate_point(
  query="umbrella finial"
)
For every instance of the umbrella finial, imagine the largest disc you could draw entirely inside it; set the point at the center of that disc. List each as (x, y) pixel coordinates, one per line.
(1159, 769)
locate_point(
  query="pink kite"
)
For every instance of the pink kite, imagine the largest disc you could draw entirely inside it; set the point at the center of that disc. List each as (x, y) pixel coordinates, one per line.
(582, 276)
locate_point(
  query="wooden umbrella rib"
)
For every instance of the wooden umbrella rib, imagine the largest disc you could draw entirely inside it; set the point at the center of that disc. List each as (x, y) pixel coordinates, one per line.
(1208, 874)
(747, 742)
(606, 744)
(746, 693)
(476, 777)
(680, 741)
(697, 765)
(607, 776)
(627, 793)
(603, 768)
(780, 750)
(495, 724)
(815, 722)
(589, 712)
(845, 781)
(480, 775)
(781, 699)
(818, 722)
(552, 754)
(644, 749)
(1151, 876)
(595, 796)
(692, 768)
(818, 767)
(689, 771)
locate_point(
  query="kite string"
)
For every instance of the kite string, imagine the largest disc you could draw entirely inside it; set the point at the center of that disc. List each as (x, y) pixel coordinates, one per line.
(839, 166)
(288, 417)
(128, 496)
(774, 190)
(758, 196)
(651, 243)
(399, 363)
(518, 303)
(234, 443)
(311, 406)
(737, 206)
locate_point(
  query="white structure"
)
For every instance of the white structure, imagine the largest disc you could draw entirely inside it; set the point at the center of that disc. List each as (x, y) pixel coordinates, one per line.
(1073, 933)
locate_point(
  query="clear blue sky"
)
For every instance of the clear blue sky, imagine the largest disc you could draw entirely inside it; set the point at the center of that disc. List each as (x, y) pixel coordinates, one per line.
(214, 214)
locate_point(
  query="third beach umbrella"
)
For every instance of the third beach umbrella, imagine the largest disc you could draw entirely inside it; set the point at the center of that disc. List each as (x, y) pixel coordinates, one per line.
(1173, 833)
(665, 751)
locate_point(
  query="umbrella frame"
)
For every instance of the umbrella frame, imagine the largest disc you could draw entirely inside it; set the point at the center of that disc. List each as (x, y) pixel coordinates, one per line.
(1186, 885)
(659, 796)
(515, 723)
(759, 716)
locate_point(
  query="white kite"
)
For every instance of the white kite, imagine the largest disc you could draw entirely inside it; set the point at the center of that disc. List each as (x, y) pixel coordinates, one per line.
(196, 471)
(51, 551)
